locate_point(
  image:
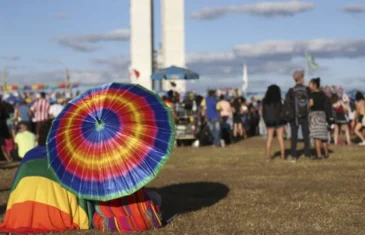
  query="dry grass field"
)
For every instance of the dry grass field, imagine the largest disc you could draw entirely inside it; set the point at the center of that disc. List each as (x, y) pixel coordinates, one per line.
(235, 191)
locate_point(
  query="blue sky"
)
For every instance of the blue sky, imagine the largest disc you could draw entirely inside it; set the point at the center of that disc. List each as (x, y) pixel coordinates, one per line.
(39, 38)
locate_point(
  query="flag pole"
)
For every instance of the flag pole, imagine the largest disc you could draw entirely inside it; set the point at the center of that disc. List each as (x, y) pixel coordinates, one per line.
(308, 72)
(244, 78)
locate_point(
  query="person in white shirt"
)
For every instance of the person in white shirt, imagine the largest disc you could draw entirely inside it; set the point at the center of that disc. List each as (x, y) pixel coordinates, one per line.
(56, 108)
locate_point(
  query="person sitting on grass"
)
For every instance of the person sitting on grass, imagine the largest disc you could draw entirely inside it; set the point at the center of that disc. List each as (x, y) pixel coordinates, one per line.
(24, 140)
(134, 213)
(37, 202)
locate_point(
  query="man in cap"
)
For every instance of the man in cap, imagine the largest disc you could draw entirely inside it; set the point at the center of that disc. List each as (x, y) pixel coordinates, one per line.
(298, 100)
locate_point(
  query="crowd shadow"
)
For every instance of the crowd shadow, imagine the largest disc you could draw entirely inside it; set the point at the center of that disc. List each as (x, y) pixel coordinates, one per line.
(8, 165)
(189, 197)
(4, 190)
(300, 153)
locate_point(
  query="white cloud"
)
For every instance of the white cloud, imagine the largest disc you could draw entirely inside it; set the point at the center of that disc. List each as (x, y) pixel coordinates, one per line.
(354, 9)
(113, 63)
(266, 9)
(272, 58)
(323, 48)
(86, 43)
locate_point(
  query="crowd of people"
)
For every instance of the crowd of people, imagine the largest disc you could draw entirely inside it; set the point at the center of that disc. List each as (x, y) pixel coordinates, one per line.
(20, 118)
(25, 120)
(321, 113)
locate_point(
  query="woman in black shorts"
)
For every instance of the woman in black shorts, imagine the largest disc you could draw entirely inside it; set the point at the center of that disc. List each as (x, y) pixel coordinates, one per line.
(341, 120)
(271, 112)
(359, 115)
(237, 122)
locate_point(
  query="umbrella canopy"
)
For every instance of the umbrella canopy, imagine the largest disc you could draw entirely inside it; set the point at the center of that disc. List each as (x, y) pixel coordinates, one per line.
(14, 99)
(174, 73)
(110, 141)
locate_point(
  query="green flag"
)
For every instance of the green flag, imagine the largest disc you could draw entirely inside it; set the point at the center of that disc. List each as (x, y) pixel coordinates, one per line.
(312, 64)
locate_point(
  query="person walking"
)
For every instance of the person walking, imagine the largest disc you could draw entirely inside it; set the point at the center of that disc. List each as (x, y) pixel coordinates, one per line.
(341, 121)
(318, 118)
(272, 114)
(298, 100)
(40, 110)
(359, 117)
(213, 117)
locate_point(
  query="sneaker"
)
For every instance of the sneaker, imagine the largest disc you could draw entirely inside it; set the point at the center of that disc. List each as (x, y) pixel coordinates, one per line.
(362, 144)
(223, 144)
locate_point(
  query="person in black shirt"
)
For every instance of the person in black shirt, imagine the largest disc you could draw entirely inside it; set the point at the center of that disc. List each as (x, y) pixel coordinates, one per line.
(271, 111)
(318, 118)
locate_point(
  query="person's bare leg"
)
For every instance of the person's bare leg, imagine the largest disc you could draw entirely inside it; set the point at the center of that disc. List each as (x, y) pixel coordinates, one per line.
(6, 155)
(280, 136)
(325, 147)
(318, 148)
(358, 132)
(235, 129)
(244, 133)
(270, 135)
(336, 133)
(240, 129)
(347, 133)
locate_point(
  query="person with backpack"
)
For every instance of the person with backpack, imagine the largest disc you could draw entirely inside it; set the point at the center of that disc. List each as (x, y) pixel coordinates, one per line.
(297, 110)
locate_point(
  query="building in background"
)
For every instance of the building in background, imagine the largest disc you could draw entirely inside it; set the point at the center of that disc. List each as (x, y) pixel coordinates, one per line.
(141, 39)
(173, 39)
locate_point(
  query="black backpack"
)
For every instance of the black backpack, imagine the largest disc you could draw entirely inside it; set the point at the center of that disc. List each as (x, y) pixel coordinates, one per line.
(301, 101)
(287, 112)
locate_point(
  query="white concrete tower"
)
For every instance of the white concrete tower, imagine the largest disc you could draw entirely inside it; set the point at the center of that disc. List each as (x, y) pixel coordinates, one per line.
(173, 38)
(141, 42)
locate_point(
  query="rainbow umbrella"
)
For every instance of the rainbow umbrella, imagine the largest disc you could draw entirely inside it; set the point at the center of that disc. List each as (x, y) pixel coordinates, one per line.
(110, 141)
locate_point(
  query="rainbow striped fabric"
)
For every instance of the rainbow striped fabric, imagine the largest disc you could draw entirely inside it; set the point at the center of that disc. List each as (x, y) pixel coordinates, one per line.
(133, 213)
(38, 203)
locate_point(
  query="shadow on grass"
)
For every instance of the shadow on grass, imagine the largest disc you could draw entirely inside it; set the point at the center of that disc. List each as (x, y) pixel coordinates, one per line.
(9, 165)
(188, 197)
(300, 153)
